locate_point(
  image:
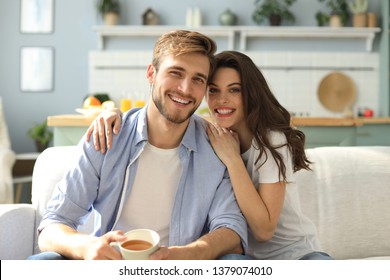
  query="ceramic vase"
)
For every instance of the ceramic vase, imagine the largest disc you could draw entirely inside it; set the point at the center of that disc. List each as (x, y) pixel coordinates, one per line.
(228, 18)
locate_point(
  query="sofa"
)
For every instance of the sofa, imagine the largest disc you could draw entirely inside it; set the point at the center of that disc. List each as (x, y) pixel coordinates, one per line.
(347, 196)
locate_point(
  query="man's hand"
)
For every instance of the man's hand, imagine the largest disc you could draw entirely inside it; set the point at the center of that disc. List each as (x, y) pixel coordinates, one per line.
(101, 249)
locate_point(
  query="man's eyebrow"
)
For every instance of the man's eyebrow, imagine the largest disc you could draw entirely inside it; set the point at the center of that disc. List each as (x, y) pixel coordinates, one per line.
(202, 76)
(182, 69)
(229, 85)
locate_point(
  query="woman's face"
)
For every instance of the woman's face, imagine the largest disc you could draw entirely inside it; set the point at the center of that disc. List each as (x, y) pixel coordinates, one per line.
(224, 98)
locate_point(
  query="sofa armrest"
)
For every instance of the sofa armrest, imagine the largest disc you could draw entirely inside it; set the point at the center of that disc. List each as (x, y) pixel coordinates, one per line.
(347, 197)
(17, 231)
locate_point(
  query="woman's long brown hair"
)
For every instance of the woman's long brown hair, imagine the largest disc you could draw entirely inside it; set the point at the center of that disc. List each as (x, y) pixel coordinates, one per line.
(263, 112)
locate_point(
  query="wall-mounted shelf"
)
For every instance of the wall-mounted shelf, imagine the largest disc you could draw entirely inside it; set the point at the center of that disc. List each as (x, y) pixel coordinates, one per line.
(243, 33)
(156, 31)
(367, 34)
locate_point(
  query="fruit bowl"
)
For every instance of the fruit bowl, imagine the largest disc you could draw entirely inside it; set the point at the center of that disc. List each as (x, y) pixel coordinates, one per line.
(90, 112)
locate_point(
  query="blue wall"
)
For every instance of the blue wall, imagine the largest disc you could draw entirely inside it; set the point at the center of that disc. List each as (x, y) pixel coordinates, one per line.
(73, 38)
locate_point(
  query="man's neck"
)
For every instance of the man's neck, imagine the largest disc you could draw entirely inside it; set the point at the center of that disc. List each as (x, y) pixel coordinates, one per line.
(163, 133)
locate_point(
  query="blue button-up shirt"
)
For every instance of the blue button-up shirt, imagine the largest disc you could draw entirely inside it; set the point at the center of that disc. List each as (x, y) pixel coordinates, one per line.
(102, 182)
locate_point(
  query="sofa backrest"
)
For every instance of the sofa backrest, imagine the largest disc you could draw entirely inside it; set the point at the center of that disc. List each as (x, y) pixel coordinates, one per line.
(348, 197)
(49, 168)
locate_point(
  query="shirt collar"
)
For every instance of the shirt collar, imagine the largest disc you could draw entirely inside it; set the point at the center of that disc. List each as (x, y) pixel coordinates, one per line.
(195, 126)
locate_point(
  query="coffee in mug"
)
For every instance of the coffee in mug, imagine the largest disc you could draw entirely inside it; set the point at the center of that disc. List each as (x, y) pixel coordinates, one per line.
(140, 243)
(136, 245)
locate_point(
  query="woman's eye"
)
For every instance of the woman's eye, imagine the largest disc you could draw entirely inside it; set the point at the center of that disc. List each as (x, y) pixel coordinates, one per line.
(235, 90)
(212, 90)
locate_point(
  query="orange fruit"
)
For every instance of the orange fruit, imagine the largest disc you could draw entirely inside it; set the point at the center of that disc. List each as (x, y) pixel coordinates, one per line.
(90, 102)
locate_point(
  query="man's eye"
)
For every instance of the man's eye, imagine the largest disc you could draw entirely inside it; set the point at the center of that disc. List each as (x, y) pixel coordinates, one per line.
(199, 80)
(175, 73)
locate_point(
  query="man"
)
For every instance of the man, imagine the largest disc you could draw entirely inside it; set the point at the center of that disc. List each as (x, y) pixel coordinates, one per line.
(161, 173)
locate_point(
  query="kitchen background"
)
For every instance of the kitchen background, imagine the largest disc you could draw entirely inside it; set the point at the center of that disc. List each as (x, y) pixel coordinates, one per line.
(294, 67)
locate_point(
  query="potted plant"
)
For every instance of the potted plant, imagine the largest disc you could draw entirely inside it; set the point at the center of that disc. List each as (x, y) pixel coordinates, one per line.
(109, 11)
(275, 11)
(338, 14)
(41, 134)
(359, 10)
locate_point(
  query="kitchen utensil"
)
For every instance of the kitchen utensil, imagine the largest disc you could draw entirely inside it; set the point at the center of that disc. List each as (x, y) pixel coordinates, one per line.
(336, 92)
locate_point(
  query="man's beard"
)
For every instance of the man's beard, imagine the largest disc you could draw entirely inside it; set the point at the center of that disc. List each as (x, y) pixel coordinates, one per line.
(177, 119)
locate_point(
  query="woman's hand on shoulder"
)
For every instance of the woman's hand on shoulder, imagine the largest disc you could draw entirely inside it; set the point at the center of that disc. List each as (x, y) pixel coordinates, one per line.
(102, 127)
(225, 143)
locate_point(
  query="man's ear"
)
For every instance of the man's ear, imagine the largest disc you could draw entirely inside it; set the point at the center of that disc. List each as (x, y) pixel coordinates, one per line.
(150, 73)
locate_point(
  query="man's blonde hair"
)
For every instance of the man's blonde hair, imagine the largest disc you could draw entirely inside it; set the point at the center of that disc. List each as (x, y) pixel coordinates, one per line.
(180, 42)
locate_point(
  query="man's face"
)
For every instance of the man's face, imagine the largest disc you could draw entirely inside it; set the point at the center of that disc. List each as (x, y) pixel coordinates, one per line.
(179, 85)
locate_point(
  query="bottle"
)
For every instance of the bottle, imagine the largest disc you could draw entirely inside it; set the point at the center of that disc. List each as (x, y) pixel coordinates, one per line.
(125, 105)
(125, 102)
(189, 17)
(197, 18)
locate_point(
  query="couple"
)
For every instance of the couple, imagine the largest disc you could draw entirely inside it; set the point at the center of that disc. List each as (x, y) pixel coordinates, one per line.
(161, 172)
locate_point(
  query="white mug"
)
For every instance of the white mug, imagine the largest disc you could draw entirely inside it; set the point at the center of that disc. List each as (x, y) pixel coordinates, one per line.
(139, 244)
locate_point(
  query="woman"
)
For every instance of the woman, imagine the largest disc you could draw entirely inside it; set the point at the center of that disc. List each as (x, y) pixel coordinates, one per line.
(253, 137)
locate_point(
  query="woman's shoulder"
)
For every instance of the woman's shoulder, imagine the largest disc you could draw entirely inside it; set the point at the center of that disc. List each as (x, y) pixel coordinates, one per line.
(276, 137)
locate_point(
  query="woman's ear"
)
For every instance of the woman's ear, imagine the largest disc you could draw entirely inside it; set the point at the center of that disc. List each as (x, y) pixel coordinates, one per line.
(150, 73)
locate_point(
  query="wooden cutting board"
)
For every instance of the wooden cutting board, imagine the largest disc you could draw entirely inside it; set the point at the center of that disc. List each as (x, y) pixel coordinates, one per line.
(337, 92)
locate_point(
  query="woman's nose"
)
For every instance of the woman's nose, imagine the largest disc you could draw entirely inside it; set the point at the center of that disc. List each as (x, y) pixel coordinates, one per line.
(223, 96)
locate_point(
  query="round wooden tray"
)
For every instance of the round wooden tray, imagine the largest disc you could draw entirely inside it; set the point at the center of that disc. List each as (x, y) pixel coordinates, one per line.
(337, 92)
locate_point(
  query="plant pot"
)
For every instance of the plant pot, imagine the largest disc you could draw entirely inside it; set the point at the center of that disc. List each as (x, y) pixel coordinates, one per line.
(111, 18)
(40, 147)
(335, 21)
(371, 20)
(359, 20)
(275, 20)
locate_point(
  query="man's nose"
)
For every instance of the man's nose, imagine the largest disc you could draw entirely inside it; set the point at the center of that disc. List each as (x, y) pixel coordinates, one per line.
(185, 86)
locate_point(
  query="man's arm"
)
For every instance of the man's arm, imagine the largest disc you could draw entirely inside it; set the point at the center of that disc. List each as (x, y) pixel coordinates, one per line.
(74, 245)
(210, 246)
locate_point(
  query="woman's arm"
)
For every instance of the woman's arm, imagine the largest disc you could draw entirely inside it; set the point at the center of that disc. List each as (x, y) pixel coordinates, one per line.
(261, 207)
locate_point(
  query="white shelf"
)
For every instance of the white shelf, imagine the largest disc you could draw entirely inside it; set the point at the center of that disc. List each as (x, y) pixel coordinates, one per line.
(243, 33)
(367, 34)
(156, 31)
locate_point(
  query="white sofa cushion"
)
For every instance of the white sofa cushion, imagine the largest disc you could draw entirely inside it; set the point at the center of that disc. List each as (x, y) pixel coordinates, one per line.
(17, 225)
(348, 197)
(49, 169)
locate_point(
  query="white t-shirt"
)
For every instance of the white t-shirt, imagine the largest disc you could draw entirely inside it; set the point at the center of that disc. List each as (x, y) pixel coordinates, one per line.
(295, 235)
(153, 192)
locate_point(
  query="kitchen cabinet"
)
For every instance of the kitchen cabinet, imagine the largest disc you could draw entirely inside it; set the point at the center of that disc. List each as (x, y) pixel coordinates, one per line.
(319, 136)
(69, 129)
(373, 135)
